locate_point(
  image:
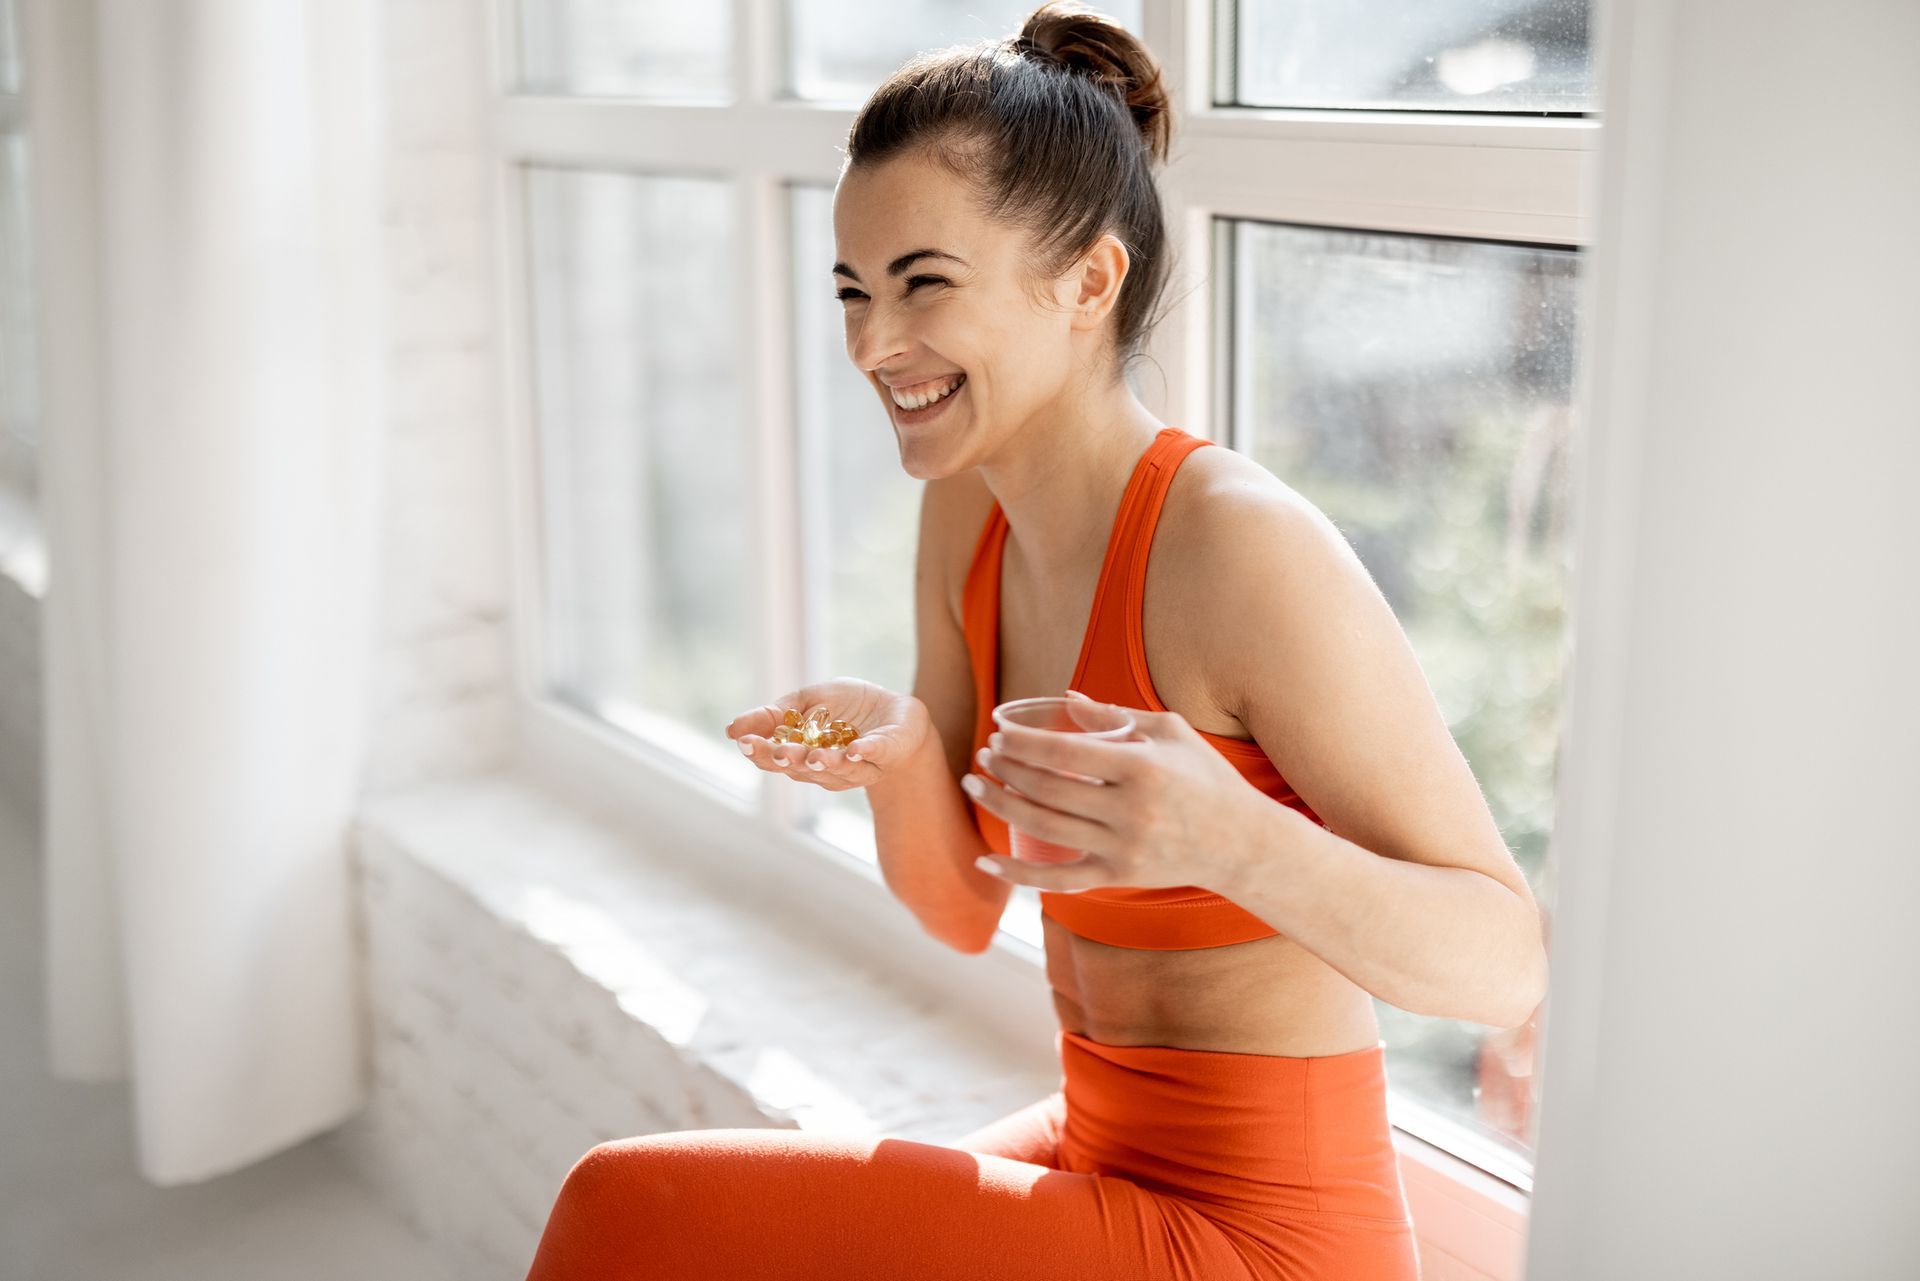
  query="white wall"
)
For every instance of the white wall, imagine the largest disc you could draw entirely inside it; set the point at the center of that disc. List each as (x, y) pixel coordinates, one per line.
(1730, 1046)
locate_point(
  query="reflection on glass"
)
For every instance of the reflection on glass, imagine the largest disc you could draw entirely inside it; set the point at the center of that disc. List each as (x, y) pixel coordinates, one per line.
(840, 50)
(1417, 390)
(643, 455)
(1461, 55)
(626, 49)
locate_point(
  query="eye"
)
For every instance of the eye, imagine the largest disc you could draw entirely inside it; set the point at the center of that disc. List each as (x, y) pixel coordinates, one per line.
(850, 292)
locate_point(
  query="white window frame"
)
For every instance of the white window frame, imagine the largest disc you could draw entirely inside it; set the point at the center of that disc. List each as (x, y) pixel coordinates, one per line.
(1498, 177)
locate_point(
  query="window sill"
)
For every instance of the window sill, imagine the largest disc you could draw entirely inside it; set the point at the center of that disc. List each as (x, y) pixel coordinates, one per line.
(806, 1032)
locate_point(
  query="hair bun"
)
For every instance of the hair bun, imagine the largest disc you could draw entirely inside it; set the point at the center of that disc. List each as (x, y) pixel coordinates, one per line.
(1087, 42)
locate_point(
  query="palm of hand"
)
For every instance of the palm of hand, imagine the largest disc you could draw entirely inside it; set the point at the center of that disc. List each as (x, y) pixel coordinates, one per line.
(890, 726)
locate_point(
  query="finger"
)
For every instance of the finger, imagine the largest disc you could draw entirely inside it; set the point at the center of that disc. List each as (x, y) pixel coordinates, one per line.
(1035, 819)
(763, 752)
(876, 749)
(1110, 759)
(792, 756)
(823, 759)
(760, 720)
(1086, 798)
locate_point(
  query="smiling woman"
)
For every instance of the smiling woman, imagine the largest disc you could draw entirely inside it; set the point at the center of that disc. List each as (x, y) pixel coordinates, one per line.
(999, 256)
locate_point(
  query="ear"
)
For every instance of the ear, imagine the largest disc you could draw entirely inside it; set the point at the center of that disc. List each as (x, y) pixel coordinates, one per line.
(1102, 272)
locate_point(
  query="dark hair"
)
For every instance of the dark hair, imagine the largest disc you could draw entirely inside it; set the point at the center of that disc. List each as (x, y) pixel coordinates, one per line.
(1057, 129)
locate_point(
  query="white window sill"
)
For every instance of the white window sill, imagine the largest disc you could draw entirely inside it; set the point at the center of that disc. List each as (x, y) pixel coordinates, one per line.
(816, 1036)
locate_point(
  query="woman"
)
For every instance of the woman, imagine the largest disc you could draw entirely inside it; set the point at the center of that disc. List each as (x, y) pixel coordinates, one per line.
(1214, 957)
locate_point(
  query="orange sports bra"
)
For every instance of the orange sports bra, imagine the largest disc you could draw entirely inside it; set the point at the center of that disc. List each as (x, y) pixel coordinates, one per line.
(1113, 668)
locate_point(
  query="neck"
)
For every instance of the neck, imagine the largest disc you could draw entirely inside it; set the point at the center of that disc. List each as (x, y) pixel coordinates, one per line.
(1060, 478)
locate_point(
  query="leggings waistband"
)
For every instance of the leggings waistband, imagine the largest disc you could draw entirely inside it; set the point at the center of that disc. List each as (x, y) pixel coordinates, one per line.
(1255, 1132)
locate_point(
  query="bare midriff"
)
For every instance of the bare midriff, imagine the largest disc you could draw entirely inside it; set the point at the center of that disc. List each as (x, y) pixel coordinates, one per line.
(1265, 996)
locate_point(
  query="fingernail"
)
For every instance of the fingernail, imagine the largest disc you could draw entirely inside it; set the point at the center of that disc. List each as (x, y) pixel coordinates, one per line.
(816, 764)
(972, 785)
(853, 756)
(746, 748)
(986, 864)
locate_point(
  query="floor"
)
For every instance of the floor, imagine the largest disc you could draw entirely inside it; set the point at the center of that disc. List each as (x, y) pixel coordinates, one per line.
(72, 1207)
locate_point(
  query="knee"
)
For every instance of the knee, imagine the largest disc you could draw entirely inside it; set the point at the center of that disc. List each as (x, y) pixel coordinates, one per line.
(624, 1176)
(606, 1207)
(621, 1166)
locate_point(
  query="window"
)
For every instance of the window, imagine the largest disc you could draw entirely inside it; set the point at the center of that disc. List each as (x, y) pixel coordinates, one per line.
(1457, 55)
(841, 50)
(1418, 389)
(647, 618)
(626, 49)
(1376, 213)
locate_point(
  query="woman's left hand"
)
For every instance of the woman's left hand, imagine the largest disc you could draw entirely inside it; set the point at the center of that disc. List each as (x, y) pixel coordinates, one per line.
(1161, 809)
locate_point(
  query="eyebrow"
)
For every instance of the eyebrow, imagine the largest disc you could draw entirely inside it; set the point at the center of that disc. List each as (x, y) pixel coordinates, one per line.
(901, 263)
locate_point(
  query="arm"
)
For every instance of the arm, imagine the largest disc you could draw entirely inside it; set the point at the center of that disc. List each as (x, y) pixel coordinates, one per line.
(1428, 938)
(1410, 891)
(927, 843)
(923, 826)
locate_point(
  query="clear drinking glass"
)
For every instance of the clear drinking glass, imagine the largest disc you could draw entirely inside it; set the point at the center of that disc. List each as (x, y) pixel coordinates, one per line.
(1060, 716)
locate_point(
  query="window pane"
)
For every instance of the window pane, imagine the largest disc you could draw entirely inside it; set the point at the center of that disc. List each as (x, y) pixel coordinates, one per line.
(1417, 390)
(626, 49)
(842, 49)
(1460, 55)
(643, 455)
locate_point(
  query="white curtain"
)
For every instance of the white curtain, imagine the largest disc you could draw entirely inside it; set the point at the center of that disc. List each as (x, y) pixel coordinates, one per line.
(211, 209)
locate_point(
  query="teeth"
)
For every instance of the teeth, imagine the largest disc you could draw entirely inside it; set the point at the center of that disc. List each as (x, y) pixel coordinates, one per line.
(922, 401)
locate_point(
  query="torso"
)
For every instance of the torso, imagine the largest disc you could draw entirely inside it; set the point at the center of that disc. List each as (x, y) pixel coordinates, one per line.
(1265, 996)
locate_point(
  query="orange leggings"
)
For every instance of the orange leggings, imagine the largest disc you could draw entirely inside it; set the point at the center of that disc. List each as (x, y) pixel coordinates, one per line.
(1149, 1162)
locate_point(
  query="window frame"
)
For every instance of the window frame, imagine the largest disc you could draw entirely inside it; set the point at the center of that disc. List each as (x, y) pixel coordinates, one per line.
(1516, 177)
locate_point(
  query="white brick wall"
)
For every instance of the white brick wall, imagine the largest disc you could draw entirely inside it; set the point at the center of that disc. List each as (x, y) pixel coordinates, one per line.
(443, 703)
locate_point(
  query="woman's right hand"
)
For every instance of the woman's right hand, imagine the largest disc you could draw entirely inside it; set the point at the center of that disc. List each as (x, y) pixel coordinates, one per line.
(891, 727)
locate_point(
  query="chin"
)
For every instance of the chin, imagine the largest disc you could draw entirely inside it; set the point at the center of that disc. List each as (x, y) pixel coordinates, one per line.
(923, 463)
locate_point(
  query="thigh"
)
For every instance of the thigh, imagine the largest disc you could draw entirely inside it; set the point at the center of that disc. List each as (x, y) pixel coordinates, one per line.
(762, 1203)
(1030, 1134)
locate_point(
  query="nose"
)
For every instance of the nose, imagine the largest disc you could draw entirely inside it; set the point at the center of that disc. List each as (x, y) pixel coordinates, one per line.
(875, 338)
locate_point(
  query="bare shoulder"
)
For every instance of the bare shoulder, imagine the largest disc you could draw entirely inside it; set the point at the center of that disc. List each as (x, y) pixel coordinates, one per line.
(1304, 650)
(1228, 531)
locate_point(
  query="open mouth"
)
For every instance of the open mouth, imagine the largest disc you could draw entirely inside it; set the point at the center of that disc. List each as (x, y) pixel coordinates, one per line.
(926, 413)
